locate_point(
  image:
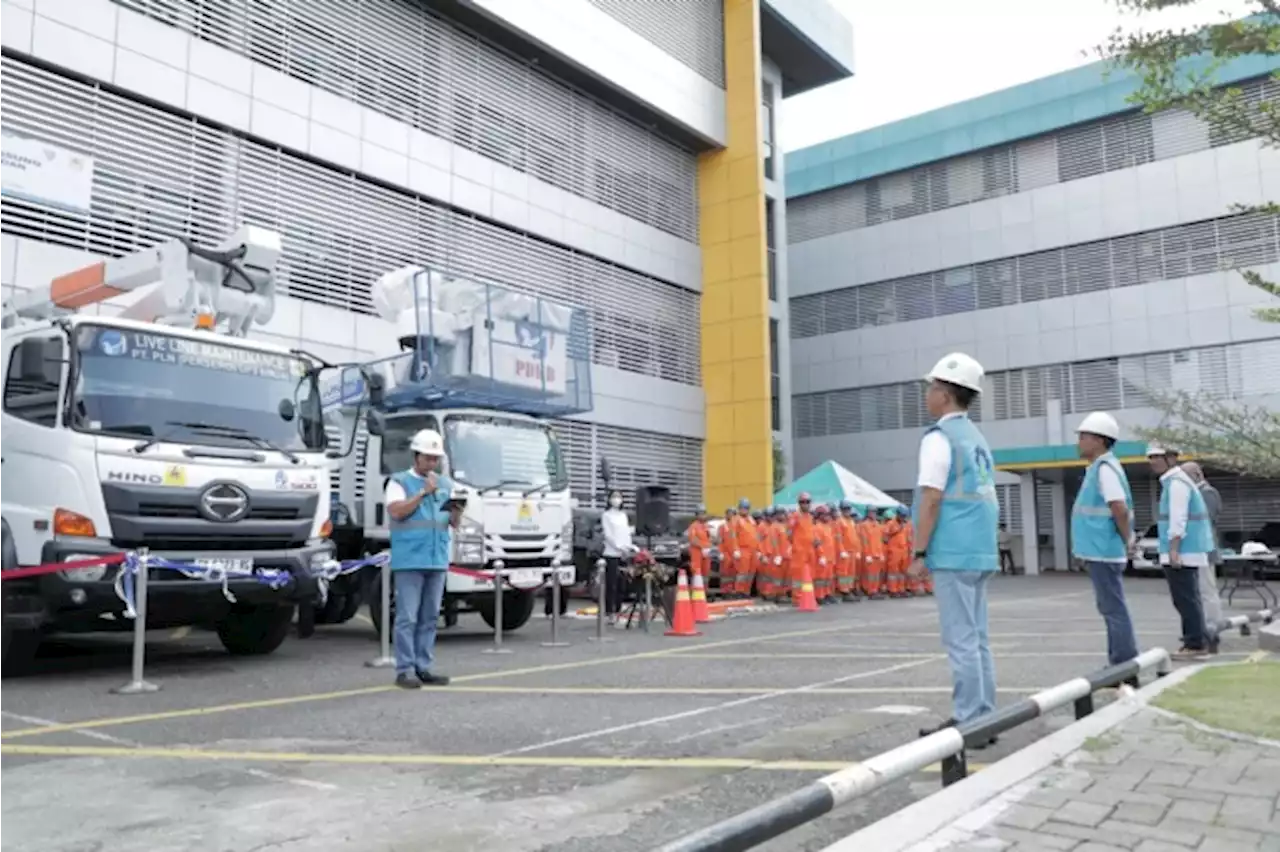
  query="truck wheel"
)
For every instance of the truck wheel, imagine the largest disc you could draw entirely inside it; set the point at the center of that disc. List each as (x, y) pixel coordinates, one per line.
(17, 650)
(517, 607)
(331, 612)
(260, 630)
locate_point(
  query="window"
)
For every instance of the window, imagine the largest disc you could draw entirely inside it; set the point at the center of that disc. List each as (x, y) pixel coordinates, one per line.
(771, 246)
(766, 128)
(31, 396)
(775, 380)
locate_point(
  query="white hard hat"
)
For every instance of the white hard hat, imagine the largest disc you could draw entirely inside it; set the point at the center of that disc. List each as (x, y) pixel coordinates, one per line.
(958, 369)
(1157, 450)
(1100, 423)
(427, 442)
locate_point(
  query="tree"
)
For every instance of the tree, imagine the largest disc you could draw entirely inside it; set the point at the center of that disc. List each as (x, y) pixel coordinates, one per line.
(779, 468)
(1177, 69)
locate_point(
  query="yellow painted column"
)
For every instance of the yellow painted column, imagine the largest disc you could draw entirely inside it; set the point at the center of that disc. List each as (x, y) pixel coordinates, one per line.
(735, 297)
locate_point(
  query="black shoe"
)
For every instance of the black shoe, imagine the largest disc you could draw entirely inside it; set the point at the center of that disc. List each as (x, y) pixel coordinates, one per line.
(981, 746)
(429, 679)
(404, 681)
(948, 723)
(1133, 682)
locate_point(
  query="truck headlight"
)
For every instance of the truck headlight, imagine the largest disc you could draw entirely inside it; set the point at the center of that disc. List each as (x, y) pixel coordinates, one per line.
(469, 553)
(92, 574)
(470, 529)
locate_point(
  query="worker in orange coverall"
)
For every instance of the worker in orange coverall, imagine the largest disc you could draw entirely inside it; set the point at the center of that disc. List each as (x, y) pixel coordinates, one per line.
(782, 558)
(728, 546)
(897, 556)
(849, 543)
(825, 539)
(804, 557)
(748, 541)
(915, 585)
(766, 572)
(699, 536)
(872, 556)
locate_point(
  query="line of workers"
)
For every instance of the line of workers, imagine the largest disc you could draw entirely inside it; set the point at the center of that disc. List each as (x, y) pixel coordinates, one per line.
(846, 552)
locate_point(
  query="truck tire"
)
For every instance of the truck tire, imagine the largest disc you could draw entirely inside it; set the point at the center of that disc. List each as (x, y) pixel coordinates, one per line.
(17, 650)
(257, 630)
(517, 607)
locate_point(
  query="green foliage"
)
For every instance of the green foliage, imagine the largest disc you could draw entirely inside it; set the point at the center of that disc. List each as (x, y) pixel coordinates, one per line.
(779, 468)
(1177, 69)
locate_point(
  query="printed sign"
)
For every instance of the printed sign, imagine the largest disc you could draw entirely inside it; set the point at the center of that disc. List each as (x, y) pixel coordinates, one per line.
(175, 474)
(525, 354)
(347, 389)
(160, 348)
(44, 173)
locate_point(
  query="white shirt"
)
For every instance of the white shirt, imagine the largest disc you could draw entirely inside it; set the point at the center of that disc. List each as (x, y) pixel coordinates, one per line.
(617, 532)
(935, 457)
(1180, 486)
(1112, 490)
(394, 493)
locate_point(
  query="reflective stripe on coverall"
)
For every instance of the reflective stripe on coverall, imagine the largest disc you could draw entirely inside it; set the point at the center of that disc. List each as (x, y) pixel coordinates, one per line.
(850, 545)
(872, 557)
(803, 555)
(896, 557)
(827, 554)
(748, 539)
(699, 548)
(766, 574)
(728, 565)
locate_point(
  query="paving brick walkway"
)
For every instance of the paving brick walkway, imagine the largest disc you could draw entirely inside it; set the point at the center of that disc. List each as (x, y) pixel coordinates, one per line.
(1154, 783)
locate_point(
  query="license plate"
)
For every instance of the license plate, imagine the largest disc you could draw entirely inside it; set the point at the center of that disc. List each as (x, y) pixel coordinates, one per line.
(525, 576)
(230, 565)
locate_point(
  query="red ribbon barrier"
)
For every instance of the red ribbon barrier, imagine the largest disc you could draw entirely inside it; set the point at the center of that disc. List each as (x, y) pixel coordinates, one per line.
(54, 567)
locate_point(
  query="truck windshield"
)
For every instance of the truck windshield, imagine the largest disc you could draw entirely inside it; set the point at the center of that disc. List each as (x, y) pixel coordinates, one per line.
(485, 451)
(157, 385)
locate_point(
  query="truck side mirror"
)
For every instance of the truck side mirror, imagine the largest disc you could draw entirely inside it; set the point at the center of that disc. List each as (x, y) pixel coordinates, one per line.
(606, 472)
(375, 423)
(377, 386)
(40, 360)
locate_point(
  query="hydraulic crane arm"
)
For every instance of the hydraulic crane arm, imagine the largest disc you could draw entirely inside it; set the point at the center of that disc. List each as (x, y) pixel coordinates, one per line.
(227, 288)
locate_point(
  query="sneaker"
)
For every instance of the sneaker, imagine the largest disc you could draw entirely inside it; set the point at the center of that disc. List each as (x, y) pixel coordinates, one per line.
(1190, 654)
(429, 679)
(947, 723)
(404, 681)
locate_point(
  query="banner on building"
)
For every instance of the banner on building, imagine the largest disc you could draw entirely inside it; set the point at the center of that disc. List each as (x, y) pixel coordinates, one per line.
(44, 173)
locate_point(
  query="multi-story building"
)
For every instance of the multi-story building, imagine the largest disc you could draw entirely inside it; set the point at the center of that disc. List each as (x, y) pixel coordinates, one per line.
(1085, 252)
(609, 153)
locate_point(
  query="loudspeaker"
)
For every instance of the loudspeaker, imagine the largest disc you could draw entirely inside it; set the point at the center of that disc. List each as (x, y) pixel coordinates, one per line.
(653, 510)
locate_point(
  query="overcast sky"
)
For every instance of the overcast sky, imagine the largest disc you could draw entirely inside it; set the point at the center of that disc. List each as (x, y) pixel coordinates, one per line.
(912, 56)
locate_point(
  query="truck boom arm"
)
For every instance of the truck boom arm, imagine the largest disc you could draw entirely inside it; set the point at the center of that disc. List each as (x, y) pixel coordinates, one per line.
(176, 283)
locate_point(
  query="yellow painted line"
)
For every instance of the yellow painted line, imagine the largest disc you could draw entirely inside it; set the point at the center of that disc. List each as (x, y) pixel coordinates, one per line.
(592, 762)
(180, 632)
(708, 690)
(854, 655)
(191, 712)
(1257, 656)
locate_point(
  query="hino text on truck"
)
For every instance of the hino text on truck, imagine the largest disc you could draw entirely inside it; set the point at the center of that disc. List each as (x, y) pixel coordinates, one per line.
(487, 368)
(162, 427)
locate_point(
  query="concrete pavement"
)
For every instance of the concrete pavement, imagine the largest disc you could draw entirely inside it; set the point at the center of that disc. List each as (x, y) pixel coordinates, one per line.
(614, 747)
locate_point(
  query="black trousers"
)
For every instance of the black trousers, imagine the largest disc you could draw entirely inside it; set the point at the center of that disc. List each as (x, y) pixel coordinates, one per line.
(1184, 588)
(612, 586)
(1006, 561)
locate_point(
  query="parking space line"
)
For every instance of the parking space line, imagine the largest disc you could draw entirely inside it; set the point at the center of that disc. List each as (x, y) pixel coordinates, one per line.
(192, 712)
(873, 655)
(711, 690)
(471, 760)
(738, 702)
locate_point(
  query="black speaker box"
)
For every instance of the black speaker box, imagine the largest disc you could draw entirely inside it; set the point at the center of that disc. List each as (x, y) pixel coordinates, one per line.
(653, 510)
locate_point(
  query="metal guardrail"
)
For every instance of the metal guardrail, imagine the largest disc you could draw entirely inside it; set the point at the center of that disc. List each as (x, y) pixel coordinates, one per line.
(1262, 616)
(765, 822)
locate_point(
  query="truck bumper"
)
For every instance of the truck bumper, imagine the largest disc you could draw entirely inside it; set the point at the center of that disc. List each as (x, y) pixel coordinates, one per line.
(172, 599)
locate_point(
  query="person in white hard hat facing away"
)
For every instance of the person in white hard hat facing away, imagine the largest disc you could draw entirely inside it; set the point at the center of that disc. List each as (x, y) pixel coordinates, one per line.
(955, 515)
(1186, 540)
(420, 525)
(1102, 530)
(1210, 601)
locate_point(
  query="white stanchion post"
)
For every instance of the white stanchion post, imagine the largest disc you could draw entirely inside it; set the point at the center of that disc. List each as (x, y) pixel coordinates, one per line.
(498, 573)
(602, 602)
(385, 659)
(555, 607)
(137, 684)
(647, 614)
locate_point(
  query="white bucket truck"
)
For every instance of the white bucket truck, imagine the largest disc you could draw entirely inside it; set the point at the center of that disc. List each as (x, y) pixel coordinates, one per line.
(161, 427)
(487, 368)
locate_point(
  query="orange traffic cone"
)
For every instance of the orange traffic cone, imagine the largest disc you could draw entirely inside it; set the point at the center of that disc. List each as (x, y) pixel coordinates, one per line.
(682, 618)
(803, 598)
(701, 615)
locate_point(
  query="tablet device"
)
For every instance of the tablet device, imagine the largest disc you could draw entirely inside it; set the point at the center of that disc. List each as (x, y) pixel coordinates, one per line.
(454, 504)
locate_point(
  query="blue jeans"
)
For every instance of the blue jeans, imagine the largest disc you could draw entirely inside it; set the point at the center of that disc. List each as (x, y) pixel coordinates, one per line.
(418, 596)
(962, 612)
(1184, 588)
(1108, 593)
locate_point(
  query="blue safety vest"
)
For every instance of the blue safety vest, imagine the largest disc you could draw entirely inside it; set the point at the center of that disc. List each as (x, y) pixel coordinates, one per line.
(1093, 530)
(965, 538)
(1199, 535)
(422, 540)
